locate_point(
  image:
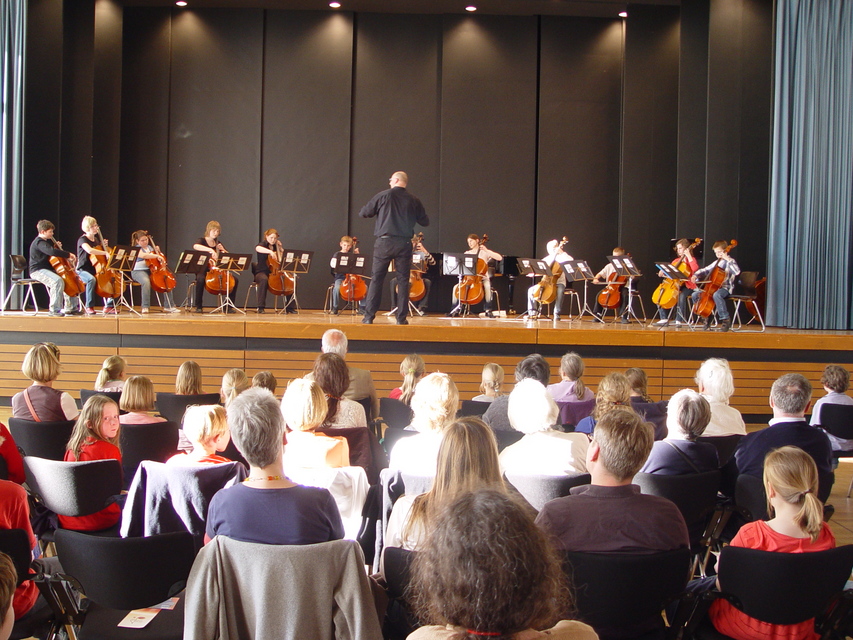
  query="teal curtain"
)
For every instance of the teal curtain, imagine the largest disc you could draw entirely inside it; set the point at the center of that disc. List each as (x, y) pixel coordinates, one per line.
(810, 270)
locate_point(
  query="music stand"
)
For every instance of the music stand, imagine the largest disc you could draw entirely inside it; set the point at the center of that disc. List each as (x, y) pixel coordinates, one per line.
(671, 272)
(625, 267)
(230, 262)
(191, 263)
(532, 267)
(460, 265)
(351, 264)
(295, 261)
(419, 265)
(577, 271)
(121, 259)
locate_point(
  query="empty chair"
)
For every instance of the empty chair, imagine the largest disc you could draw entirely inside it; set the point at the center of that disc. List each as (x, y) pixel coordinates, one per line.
(473, 408)
(41, 439)
(157, 441)
(172, 406)
(18, 278)
(538, 490)
(364, 449)
(399, 620)
(391, 437)
(573, 412)
(654, 412)
(746, 293)
(395, 413)
(85, 394)
(837, 419)
(121, 574)
(725, 445)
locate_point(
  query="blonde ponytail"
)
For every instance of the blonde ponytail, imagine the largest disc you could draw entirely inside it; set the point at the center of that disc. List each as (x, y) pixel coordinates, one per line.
(112, 369)
(793, 475)
(412, 369)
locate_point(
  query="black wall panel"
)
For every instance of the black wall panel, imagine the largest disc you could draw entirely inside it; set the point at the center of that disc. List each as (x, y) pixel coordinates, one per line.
(488, 131)
(580, 97)
(215, 127)
(143, 175)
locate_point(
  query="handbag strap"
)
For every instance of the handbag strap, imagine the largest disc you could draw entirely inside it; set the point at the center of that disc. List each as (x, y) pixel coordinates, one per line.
(30, 405)
(683, 455)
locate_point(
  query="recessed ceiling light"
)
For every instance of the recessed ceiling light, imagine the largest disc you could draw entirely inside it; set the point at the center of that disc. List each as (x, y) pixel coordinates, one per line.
(471, 8)
(335, 5)
(181, 3)
(623, 14)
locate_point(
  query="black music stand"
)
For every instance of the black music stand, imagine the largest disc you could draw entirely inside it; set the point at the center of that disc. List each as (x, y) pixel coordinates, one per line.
(460, 265)
(121, 259)
(532, 267)
(671, 272)
(233, 262)
(191, 263)
(625, 267)
(295, 261)
(577, 271)
(351, 264)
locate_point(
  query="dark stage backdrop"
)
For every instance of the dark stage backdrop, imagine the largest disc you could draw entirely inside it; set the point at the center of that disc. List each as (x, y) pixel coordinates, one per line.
(609, 132)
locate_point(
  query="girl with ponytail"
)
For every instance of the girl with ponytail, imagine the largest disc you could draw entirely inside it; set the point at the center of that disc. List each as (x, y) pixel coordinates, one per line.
(412, 369)
(111, 375)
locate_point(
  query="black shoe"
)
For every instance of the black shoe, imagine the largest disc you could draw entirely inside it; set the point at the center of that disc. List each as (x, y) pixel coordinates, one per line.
(489, 314)
(261, 310)
(367, 320)
(597, 319)
(403, 321)
(624, 320)
(726, 325)
(292, 310)
(707, 326)
(334, 312)
(361, 312)
(199, 310)
(73, 312)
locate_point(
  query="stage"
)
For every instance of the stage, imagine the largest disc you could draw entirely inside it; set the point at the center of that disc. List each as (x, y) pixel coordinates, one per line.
(156, 344)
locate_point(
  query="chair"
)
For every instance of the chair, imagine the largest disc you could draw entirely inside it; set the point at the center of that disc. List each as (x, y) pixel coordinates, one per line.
(85, 394)
(367, 403)
(157, 441)
(121, 574)
(622, 595)
(654, 412)
(777, 588)
(745, 292)
(473, 408)
(18, 279)
(538, 490)
(507, 438)
(725, 446)
(392, 435)
(41, 439)
(74, 488)
(573, 412)
(364, 449)
(837, 420)
(399, 620)
(237, 585)
(172, 406)
(750, 496)
(395, 413)
(15, 543)
(4, 469)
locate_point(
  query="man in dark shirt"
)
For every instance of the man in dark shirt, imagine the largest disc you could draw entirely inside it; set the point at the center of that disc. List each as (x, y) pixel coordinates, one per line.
(397, 212)
(42, 249)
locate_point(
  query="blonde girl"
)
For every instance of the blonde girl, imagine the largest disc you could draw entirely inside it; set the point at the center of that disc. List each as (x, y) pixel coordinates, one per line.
(206, 427)
(234, 382)
(188, 380)
(137, 399)
(111, 375)
(40, 402)
(614, 392)
(491, 382)
(412, 369)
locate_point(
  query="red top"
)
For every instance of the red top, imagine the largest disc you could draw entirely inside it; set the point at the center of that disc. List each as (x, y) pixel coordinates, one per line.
(733, 622)
(692, 265)
(9, 451)
(395, 393)
(15, 514)
(186, 459)
(107, 517)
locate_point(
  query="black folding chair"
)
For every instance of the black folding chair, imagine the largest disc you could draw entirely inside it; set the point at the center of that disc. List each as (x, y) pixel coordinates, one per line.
(538, 490)
(837, 419)
(157, 441)
(473, 408)
(85, 394)
(41, 439)
(15, 543)
(395, 413)
(725, 446)
(172, 406)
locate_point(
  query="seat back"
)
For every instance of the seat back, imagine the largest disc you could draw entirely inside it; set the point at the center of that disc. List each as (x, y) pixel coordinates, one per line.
(364, 449)
(126, 573)
(745, 284)
(538, 490)
(837, 419)
(15, 543)
(654, 412)
(398, 563)
(392, 435)
(367, 403)
(85, 394)
(172, 406)
(784, 588)
(157, 441)
(473, 408)
(19, 267)
(74, 488)
(615, 591)
(4, 469)
(694, 494)
(395, 413)
(750, 495)
(41, 439)
(725, 446)
(507, 438)
(573, 412)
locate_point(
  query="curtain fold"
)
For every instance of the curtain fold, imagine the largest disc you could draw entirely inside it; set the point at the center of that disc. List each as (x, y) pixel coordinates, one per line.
(810, 267)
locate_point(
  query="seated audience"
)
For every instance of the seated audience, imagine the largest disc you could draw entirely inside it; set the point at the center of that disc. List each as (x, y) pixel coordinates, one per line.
(10, 454)
(360, 381)
(835, 381)
(111, 375)
(507, 581)
(265, 380)
(188, 380)
(715, 381)
(95, 437)
(611, 515)
(332, 375)
(434, 407)
(206, 427)
(412, 369)
(267, 507)
(234, 382)
(542, 450)
(679, 453)
(491, 383)
(797, 526)
(8, 581)
(639, 382)
(304, 408)
(614, 393)
(15, 514)
(137, 398)
(571, 388)
(533, 366)
(40, 401)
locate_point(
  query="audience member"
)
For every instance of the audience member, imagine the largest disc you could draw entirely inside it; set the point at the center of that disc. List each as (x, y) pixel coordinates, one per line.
(611, 515)
(40, 401)
(679, 453)
(111, 375)
(412, 368)
(505, 581)
(267, 507)
(8, 580)
(542, 450)
(614, 393)
(95, 437)
(789, 398)
(797, 526)
(206, 427)
(304, 408)
(715, 381)
(188, 380)
(835, 381)
(571, 388)
(234, 382)
(360, 381)
(639, 383)
(15, 514)
(265, 380)
(10, 454)
(491, 383)
(332, 375)
(533, 366)
(137, 398)
(434, 407)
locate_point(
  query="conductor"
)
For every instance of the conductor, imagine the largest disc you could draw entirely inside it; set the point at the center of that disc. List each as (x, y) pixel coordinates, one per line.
(396, 211)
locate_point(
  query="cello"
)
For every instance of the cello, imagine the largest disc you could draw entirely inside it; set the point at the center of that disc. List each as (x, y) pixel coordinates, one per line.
(219, 282)
(108, 282)
(279, 282)
(353, 288)
(73, 284)
(470, 290)
(546, 289)
(705, 305)
(417, 288)
(162, 278)
(666, 294)
(610, 296)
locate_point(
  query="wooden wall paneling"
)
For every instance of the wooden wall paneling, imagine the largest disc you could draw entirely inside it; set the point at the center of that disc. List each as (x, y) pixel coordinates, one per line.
(161, 365)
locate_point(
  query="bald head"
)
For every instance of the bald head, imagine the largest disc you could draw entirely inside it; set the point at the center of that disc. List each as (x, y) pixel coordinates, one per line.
(399, 179)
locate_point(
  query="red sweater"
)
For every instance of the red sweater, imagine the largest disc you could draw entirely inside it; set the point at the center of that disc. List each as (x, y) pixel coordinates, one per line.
(15, 514)
(9, 451)
(107, 517)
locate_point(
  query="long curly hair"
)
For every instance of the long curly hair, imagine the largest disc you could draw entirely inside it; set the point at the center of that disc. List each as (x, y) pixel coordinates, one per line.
(614, 392)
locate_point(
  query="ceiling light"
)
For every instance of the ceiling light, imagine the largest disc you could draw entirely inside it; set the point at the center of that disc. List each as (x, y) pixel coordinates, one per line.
(181, 3)
(623, 14)
(335, 5)
(471, 8)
